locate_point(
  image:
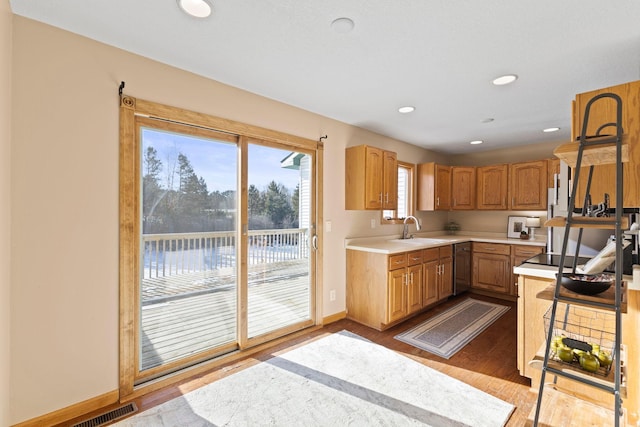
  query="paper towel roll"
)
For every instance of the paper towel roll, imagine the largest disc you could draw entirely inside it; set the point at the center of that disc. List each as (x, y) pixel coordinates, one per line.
(635, 283)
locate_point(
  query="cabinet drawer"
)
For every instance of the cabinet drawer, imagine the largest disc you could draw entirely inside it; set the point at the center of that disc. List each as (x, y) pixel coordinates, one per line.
(431, 254)
(492, 248)
(397, 261)
(414, 258)
(446, 251)
(527, 251)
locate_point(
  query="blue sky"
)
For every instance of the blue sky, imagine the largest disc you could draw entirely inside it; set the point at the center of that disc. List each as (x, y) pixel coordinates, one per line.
(216, 161)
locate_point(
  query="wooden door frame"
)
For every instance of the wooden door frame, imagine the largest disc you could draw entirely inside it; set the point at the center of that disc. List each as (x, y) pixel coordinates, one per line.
(129, 201)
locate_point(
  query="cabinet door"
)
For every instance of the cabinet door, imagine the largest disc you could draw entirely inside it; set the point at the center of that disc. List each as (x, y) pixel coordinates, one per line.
(521, 253)
(443, 188)
(397, 295)
(604, 176)
(390, 182)
(491, 187)
(445, 282)
(463, 188)
(528, 185)
(414, 288)
(430, 282)
(491, 272)
(553, 169)
(374, 167)
(434, 187)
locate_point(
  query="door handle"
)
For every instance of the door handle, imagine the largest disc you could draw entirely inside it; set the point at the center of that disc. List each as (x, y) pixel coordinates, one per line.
(314, 242)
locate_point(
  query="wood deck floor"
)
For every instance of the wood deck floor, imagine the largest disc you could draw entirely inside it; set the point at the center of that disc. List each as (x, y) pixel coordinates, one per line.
(186, 314)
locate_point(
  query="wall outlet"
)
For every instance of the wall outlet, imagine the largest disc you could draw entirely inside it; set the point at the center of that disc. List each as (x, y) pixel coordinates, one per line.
(373, 223)
(332, 295)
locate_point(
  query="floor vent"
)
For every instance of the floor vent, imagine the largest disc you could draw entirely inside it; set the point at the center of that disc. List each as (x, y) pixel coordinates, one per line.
(107, 417)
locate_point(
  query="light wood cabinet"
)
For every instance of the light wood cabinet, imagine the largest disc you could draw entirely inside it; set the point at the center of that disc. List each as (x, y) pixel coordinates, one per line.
(371, 178)
(430, 282)
(491, 188)
(434, 187)
(397, 296)
(604, 111)
(463, 188)
(528, 185)
(491, 267)
(383, 290)
(532, 337)
(438, 274)
(553, 169)
(519, 254)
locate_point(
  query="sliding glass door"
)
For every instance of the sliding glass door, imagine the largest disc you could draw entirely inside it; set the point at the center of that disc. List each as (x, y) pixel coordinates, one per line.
(225, 240)
(279, 223)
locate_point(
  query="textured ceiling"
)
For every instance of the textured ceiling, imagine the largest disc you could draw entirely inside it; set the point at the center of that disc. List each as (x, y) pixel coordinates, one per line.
(439, 56)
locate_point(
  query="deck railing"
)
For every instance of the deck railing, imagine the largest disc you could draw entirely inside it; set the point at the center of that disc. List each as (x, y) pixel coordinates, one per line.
(180, 253)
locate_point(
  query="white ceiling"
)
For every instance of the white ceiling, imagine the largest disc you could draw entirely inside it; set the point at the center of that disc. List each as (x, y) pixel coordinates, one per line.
(439, 56)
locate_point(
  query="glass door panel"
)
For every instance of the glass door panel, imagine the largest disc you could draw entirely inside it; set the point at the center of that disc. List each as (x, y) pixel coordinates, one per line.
(280, 205)
(188, 248)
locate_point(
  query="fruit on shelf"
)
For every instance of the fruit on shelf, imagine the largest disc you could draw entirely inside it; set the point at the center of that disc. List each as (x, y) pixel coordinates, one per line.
(604, 358)
(577, 353)
(589, 362)
(564, 353)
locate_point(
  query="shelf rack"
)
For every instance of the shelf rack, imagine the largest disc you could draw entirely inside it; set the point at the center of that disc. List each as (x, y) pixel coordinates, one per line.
(590, 151)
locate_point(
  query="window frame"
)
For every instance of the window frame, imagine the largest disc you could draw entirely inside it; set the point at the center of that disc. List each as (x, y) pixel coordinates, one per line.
(411, 191)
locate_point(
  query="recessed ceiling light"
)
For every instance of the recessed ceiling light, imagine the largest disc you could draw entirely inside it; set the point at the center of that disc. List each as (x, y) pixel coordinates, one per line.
(196, 8)
(476, 142)
(342, 25)
(551, 130)
(505, 80)
(407, 109)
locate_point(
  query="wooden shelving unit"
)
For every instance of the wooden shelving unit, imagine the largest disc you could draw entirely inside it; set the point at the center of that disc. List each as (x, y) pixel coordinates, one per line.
(587, 151)
(605, 300)
(588, 222)
(602, 152)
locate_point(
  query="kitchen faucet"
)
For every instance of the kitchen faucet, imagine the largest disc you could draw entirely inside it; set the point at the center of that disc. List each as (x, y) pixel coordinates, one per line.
(405, 230)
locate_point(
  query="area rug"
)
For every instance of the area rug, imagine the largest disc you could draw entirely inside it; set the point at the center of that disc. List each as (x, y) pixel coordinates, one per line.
(446, 333)
(338, 380)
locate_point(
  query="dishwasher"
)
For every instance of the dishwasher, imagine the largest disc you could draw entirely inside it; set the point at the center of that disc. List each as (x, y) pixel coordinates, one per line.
(461, 267)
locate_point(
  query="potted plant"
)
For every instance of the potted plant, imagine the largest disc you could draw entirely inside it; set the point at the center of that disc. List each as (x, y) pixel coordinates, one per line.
(452, 227)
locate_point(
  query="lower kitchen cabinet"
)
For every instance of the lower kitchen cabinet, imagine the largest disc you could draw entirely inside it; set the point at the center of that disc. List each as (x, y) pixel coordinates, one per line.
(519, 254)
(383, 290)
(532, 337)
(438, 274)
(491, 267)
(404, 285)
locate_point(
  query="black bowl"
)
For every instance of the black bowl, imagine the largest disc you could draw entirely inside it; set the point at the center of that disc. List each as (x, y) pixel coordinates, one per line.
(587, 284)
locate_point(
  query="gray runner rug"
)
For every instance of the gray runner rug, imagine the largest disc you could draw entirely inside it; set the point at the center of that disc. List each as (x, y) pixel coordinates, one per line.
(445, 334)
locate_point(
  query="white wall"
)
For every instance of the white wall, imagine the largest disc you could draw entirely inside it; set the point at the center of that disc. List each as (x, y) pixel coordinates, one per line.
(64, 202)
(6, 21)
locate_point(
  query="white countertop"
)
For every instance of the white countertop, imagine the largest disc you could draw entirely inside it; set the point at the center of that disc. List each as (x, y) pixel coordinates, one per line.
(387, 245)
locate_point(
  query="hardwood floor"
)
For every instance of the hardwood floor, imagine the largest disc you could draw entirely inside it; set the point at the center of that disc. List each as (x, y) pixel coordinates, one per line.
(487, 363)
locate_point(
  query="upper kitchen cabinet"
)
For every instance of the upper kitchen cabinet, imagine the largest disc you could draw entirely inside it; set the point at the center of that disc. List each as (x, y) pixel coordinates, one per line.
(553, 171)
(604, 111)
(463, 188)
(434, 187)
(371, 181)
(528, 185)
(492, 187)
